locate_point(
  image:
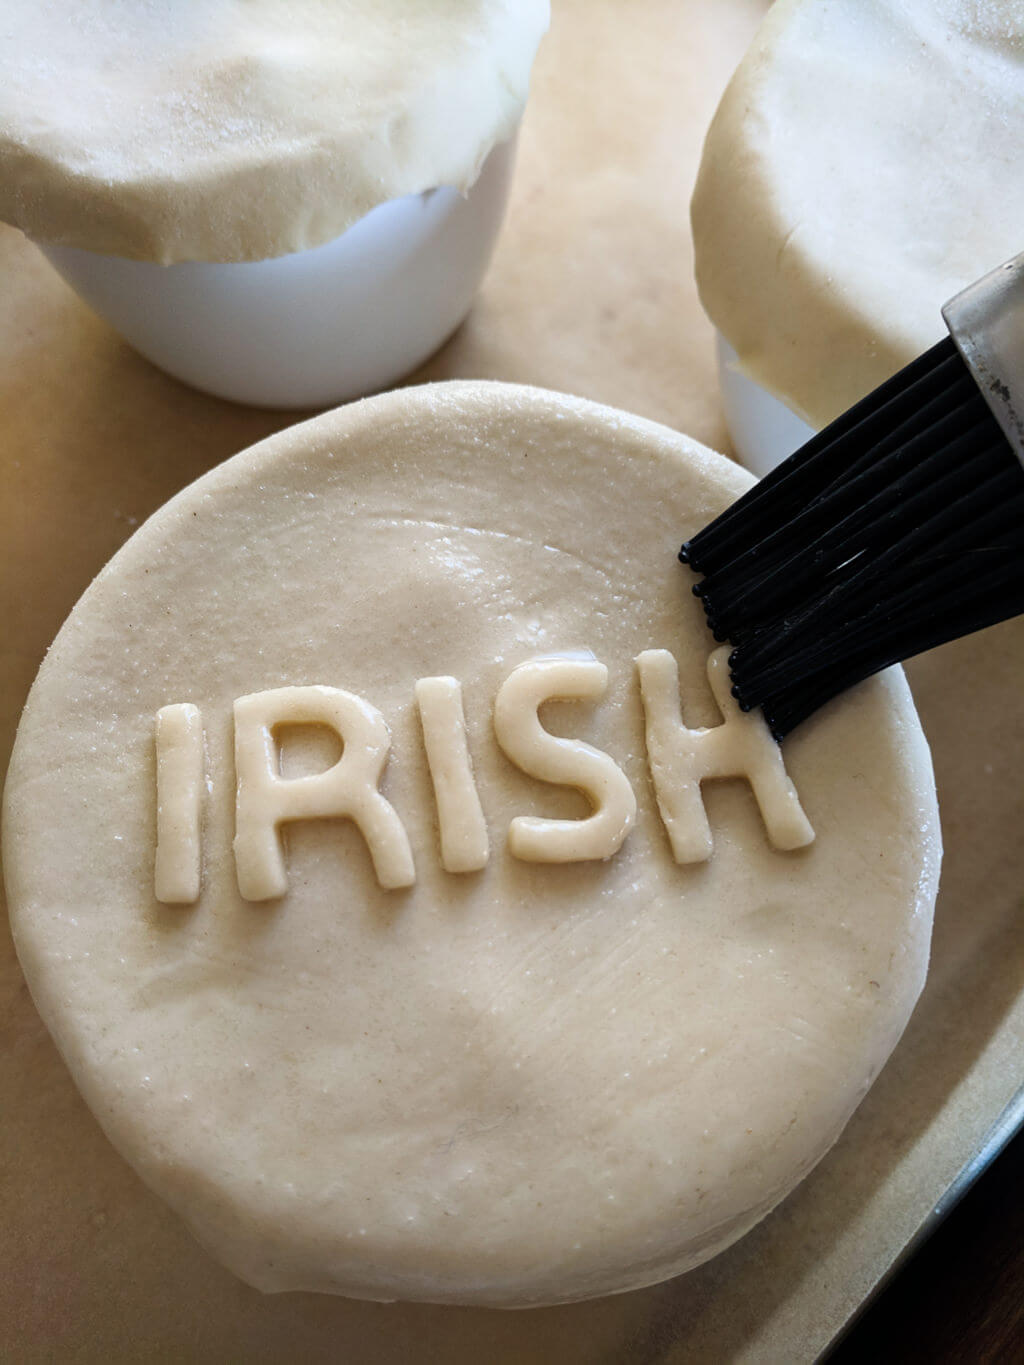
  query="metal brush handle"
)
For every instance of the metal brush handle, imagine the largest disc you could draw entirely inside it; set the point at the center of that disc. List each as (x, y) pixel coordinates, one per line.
(986, 321)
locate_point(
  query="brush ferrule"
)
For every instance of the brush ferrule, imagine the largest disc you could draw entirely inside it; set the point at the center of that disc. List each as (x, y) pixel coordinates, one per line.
(986, 321)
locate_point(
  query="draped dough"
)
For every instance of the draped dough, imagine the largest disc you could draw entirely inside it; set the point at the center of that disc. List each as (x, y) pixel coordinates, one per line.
(235, 130)
(863, 166)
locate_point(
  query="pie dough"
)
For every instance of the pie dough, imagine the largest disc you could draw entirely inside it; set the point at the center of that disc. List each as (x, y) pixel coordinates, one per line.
(520, 1083)
(224, 131)
(863, 166)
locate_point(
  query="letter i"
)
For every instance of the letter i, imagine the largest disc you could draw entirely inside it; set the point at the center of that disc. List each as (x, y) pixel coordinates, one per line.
(180, 774)
(464, 842)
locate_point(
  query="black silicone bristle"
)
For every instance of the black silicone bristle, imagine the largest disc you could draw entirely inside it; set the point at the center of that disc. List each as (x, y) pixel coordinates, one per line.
(897, 528)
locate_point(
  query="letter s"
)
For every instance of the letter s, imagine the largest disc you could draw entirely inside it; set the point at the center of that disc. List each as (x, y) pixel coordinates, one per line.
(567, 762)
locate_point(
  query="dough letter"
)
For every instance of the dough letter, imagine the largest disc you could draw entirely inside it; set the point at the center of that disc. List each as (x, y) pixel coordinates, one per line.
(266, 800)
(179, 800)
(464, 844)
(567, 762)
(680, 759)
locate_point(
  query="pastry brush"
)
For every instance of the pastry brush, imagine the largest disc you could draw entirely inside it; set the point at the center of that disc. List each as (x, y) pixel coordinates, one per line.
(897, 528)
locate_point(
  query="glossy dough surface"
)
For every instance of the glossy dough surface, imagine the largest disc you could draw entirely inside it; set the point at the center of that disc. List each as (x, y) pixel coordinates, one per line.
(863, 166)
(519, 1085)
(230, 131)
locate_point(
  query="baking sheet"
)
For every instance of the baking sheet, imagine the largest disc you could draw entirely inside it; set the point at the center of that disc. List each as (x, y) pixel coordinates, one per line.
(590, 292)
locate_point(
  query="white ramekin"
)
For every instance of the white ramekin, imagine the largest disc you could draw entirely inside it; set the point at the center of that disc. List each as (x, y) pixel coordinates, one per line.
(763, 430)
(317, 327)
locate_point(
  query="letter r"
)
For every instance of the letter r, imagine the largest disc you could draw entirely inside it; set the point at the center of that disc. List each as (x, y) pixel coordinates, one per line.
(265, 800)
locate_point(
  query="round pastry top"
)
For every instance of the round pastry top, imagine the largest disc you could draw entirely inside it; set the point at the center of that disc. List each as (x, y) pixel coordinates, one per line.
(230, 131)
(863, 167)
(597, 1052)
